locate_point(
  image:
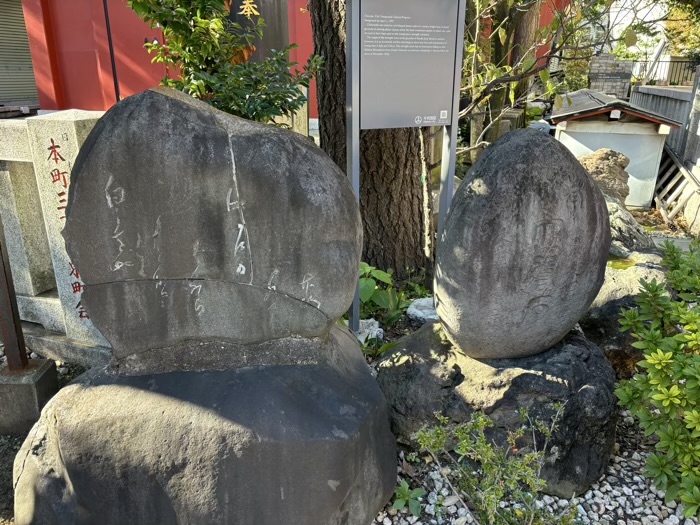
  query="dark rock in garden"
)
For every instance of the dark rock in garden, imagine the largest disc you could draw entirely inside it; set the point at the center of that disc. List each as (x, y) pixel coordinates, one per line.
(269, 445)
(601, 322)
(627, 234)
(523, 252)
(188, 224)
(607, 167)
(426, 374)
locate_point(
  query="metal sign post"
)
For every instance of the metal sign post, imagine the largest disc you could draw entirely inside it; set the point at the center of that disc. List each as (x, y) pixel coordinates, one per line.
(403, 69)
(10, 326)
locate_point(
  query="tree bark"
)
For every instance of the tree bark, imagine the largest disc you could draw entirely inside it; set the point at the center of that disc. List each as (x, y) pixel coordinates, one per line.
(391, 194)
(524, 41)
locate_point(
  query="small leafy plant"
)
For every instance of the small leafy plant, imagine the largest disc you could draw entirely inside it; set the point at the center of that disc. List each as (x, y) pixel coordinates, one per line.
(665, 396)
(485, 474)
(378, 296)
(404, 496)
(375, 348)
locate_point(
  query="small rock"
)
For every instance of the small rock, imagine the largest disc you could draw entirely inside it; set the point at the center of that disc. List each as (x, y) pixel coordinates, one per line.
(422, 310)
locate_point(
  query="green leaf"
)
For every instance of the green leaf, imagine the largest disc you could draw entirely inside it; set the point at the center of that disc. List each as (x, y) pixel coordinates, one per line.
(502, 35)
(382, 276)
(399, 504)
(528, 64)
(558, 102)
(544, 76)
(365, 269)
(381, 298)
(630, 38)
(414, 506)
(367, 288)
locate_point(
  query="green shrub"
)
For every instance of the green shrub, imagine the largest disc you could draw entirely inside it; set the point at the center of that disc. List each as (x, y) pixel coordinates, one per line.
(379, 297)
(208, 55)
(665, 396)
(485, 474)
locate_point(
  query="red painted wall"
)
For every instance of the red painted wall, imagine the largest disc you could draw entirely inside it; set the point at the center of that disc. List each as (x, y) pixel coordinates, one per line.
(70, 52)
(300, 33)
(547, 14)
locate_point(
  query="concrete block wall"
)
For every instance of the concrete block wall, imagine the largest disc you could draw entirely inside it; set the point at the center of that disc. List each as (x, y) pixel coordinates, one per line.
(610, 76)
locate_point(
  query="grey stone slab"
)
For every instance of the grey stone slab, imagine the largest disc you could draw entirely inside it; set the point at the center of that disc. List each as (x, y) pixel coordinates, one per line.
(44, 309)
(56, 139)
(52, 345)
(189, 224)
(263, 445)
(24, 393)
(14, 140)
(27, 244)
(523, 251)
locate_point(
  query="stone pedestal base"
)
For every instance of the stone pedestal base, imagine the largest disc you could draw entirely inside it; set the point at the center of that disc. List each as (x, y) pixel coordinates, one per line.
(426, 374)
(24, 393)
(265, 445)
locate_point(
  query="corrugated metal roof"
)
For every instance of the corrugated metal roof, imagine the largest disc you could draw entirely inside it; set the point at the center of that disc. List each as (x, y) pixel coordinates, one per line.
(585, 102)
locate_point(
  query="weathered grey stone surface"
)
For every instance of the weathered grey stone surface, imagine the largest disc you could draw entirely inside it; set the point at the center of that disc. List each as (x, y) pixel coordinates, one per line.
(627, 234)
(59, 347)
(422, 310)
(607, 167)
(27, 244)
(55, 140)
(14, 140)
(523, 252)
(601, 322)
(44, 309)
(691, 210)
(426, 374)
(270, 445)
(149, 247)
(24, 393)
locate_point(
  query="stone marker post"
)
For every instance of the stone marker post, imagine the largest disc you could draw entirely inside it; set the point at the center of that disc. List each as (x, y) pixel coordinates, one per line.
(55, 140)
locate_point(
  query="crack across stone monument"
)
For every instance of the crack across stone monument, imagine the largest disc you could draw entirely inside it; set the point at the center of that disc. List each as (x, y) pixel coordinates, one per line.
(264, 289)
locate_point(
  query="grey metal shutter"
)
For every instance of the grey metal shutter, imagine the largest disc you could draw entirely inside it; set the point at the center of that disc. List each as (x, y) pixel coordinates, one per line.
(16, 72)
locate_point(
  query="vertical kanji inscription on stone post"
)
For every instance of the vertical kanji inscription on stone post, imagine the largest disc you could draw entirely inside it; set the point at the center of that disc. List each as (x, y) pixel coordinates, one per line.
(56, 140)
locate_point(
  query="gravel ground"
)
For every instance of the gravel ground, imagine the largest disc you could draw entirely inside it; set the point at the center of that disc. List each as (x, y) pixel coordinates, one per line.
(621, 497)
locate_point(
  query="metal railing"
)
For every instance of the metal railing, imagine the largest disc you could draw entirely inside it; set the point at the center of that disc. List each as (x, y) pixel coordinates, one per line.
(674, 72)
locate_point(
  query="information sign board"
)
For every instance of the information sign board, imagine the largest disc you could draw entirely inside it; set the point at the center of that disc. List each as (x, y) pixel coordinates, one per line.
(407, 62)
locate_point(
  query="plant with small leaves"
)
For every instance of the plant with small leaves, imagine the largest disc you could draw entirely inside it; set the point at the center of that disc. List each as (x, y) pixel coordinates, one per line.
(405, 497)
(486, 474)
(665, 395)
(374, 348)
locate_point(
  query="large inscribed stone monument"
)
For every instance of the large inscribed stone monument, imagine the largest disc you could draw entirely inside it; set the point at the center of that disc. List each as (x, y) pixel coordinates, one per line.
(520, 260)
(524, 248)
(218, 255)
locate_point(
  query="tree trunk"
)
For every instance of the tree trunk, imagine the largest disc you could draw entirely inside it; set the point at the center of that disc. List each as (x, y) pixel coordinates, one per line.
(524, 43)
(391, 194)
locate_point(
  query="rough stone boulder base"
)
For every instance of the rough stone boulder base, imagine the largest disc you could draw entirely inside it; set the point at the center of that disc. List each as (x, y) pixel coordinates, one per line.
(186, 223)
(601, 323)
(607, 167)
(302, 445)
(426, 374)
(523, 251)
